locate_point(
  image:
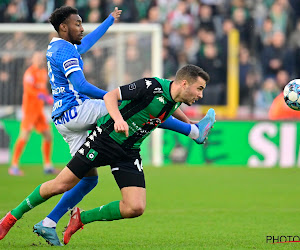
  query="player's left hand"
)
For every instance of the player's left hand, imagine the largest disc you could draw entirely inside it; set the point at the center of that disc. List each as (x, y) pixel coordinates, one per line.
(121, 127)
(116, 13)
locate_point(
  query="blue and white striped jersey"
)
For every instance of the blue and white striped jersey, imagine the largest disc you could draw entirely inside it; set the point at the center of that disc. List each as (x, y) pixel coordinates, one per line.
(63, 59)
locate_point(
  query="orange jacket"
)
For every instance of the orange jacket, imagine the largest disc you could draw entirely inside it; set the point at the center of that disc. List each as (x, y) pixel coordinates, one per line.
(34, 83)
(279, 110)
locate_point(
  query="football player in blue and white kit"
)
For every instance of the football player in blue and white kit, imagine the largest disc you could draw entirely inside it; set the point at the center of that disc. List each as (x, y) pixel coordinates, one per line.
(74, 113)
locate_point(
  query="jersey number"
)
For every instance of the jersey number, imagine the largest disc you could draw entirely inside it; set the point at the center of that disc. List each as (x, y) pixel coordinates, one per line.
(51, 76)
(138, 165)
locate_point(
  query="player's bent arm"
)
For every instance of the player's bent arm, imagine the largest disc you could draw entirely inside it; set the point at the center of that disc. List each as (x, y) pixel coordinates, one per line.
(89, 40)
(181, 116)
(84, 87)
(111, 102)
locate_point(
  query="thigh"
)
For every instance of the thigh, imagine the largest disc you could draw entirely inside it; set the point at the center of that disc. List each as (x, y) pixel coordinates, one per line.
(41, 123)
(129, 173)
(87, 115)
(74, 138)
(28, 121)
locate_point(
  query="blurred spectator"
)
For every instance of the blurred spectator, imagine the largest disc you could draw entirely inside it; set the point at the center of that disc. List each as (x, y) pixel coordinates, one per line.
(265, 35)
(133, 65)
(165, 7)
(280, 13)
(129, 14)
(180, 17)
(211, 62)
(94, 16)
(191, 48)
(142, 8)
(16, 11)
(282, 78)
(205, 19)
(169, 62)
(227, 27)
(276, 56)
(253, 80)
(294, 42)
(245, 66)
(153, 15)
(92, 11)
(42, 11)
(244, 24)
(265, 96)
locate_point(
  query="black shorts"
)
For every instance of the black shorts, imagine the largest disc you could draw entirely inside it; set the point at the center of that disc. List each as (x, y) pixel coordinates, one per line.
(100, 149)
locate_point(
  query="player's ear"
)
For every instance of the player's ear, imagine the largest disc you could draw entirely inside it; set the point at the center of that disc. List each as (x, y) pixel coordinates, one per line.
(184, 84)
(63, 27)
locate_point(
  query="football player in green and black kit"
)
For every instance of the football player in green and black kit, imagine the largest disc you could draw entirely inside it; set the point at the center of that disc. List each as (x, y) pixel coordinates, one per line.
(116, 141)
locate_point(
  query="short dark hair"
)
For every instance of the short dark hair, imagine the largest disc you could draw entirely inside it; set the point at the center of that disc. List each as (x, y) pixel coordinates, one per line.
(59, 15)
(190, 73)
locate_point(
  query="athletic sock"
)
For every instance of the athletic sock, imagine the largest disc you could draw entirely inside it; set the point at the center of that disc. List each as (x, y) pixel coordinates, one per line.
(73, 197)
(175, 125)
(47, 222)
(46, 148)
(19, 146)
(29, 203)
(194, 131)
(108, 212)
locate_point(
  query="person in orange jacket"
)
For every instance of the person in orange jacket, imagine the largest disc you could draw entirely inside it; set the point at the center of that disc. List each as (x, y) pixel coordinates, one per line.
(34, 96)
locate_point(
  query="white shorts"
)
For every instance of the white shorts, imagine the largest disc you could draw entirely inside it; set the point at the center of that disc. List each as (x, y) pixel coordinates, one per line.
(74, 124)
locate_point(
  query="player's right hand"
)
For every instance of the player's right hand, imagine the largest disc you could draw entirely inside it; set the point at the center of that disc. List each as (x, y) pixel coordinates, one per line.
(121, 127)
(116, 13)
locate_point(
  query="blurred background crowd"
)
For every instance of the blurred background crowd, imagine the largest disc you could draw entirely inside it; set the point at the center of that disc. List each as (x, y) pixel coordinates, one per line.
(194, 31)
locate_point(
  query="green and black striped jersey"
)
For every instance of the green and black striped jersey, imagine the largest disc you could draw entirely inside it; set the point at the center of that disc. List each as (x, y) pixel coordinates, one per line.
(146, 103)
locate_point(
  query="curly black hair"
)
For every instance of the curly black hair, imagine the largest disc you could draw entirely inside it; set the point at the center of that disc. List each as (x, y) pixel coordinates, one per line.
(60, 15)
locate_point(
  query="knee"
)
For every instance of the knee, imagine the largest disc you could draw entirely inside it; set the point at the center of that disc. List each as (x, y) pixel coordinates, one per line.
(136, 209)
(61, 188)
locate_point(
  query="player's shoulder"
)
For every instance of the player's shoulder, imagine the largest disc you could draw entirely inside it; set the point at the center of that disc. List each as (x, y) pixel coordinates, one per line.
(151, 85)
(61, 45)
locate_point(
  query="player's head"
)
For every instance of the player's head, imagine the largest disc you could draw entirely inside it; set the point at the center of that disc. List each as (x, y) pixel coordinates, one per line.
(68, 24)
(191, 80)
(39, 59)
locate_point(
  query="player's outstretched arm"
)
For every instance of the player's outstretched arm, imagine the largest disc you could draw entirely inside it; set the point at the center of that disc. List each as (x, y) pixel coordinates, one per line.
(111, 102)
(89, 40)
(84, 87)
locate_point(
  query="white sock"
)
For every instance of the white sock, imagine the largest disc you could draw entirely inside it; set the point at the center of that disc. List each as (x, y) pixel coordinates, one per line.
(194, 134)
(47, 222)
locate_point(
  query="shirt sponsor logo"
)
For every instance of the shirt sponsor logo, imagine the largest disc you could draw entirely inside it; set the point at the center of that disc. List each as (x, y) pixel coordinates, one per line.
(57, 105)
(157, 91)
(67, 116)
(132, 86)
(70, 63)
(58, 90)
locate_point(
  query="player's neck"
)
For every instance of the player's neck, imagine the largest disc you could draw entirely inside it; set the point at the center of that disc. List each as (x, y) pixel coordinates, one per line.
(175, 91)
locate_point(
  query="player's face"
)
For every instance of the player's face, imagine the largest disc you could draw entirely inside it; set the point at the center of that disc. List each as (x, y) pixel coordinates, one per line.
(193, 92)
(75, 29)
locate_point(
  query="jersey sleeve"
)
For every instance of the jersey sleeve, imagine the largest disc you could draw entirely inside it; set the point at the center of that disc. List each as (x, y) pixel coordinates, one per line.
(140, 88)
(67, 59)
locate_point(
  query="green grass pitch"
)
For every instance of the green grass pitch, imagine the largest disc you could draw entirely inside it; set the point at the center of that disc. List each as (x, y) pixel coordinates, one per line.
(187, 208)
